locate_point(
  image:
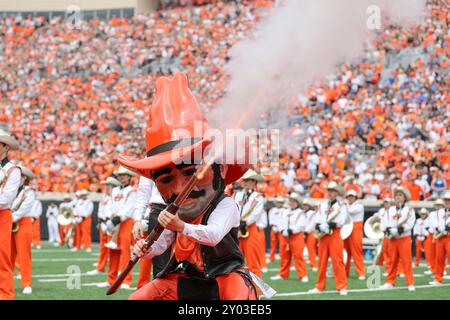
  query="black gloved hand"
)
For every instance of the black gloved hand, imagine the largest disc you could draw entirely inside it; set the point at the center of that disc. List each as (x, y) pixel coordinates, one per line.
(332, 225)
(388, 230)
(400, 230)
(447, 228)
(242, 225)
(318, 228)
(115, 220)
(290, 232)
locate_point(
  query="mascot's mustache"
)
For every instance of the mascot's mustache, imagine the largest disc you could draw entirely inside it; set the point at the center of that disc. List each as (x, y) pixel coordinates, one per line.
(193, 195)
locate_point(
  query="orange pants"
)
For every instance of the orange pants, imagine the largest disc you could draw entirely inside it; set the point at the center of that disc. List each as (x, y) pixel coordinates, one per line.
(21, 249)
(63, 231)
(37, 232)
(86, 238)
(104, 252)
(251, 248)
(354, 247)
(118, 259)
(77, 239)
(263, 248)
(145, 268)
(332, 246)
(311, 244)
(400, 249)
(419, 248)
(384, 257)
(295, 251)
(231, 287)
(274, 240)
(6, 265)
(430, 252)
(442, 249)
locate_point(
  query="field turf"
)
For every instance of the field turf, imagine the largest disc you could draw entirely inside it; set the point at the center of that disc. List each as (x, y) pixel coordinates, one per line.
(56, 277)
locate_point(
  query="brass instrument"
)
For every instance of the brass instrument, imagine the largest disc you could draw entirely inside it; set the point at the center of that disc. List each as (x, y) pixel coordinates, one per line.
(372, 228)
(244, 232)
(66, 216)
(319, 234)
(400, 224)
(15, 225)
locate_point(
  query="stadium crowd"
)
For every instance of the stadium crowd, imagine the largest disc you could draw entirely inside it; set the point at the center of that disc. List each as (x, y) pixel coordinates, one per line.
(76, 98)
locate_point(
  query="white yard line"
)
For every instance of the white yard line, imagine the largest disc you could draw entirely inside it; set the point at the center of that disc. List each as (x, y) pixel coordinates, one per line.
(63, 259)
(72, 274)
(304, 293)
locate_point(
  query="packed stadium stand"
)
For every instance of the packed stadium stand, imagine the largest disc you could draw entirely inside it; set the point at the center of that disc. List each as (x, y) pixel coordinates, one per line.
(76, 98)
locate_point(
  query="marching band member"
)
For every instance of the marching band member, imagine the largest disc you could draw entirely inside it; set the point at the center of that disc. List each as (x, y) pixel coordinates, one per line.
(430, 242)
(52, 223)
(77, 222)
(331, 216)
(311, 241)
(10, 180)
(384, 256)
(292, 241)
(206, 262)
(83, 211)
(66, 206)
(104, 213)
(354, 243)
(124, 198)
(36, 212)
(149, 204)
(274, 223)
(421, 233)
(261, 225)
(442, 238)
(251, 210)
(22, 237)
(397, 225)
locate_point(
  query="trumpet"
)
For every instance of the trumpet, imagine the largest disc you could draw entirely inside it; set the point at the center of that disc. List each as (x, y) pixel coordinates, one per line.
(243, 228)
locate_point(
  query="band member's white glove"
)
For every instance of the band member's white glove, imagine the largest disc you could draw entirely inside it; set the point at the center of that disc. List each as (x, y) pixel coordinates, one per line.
(441, 229)
(393, 231)
(420, 238)
(78, 220)
(324, 227)
(275, 229)
(285, 233)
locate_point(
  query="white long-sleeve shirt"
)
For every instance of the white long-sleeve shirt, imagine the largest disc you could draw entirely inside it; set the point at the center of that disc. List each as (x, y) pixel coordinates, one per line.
(36, 210)
(439, 219)
(356, 211)
(147, 192)
(83, 208)
(255, 200)
(275, 217)
(293, 219)
(69, 204)
(105, 207)
(394, 218)
(52, 213)
(23, 204)
(325, 212)
(124, 201)
(9, 185)
(224, 217)
(420, 228)
(310, 220)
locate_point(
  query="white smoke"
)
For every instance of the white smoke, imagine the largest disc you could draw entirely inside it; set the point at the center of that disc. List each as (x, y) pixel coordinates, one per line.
(303, 40)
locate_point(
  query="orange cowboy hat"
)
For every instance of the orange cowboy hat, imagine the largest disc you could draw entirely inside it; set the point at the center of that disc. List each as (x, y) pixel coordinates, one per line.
(170, 134)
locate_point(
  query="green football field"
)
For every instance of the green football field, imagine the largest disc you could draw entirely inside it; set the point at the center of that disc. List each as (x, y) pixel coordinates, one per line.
(59, 274)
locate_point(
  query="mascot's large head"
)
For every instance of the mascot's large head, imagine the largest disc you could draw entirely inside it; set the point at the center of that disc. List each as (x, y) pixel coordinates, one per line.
(175, 142)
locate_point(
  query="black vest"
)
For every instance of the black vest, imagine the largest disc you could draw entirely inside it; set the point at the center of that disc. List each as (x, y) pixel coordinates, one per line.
(221, 259)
